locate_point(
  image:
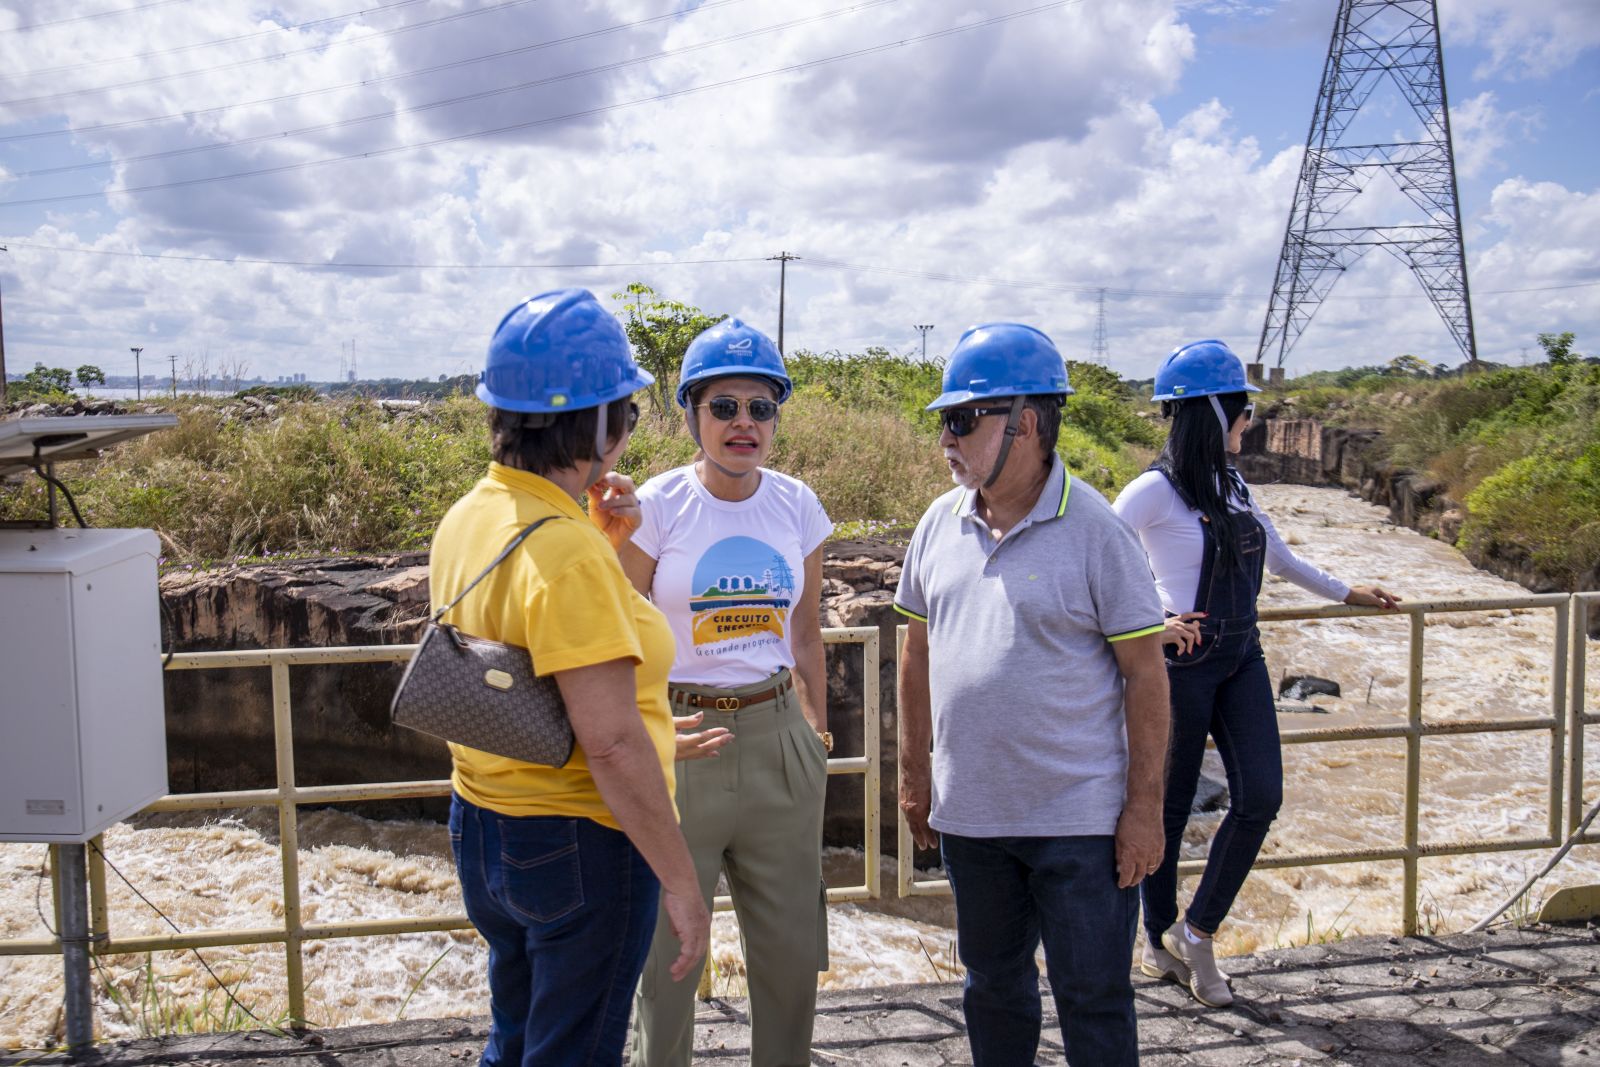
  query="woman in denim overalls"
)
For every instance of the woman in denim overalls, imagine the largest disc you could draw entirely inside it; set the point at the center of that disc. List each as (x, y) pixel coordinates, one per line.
(1209, 544)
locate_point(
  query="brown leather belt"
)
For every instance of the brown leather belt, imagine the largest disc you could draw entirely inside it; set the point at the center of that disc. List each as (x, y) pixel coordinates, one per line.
(730, 703)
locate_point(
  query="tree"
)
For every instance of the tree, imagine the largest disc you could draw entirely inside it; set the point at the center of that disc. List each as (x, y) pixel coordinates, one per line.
(660, 331)
(42, 382)
(89, 374)
(1558, 348)
(1409, 366)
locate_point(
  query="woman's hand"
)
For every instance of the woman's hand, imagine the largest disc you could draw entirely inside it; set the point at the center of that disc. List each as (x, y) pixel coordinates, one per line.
(1372, 596)
(1183, 631)
(614, 508)
(702, 745)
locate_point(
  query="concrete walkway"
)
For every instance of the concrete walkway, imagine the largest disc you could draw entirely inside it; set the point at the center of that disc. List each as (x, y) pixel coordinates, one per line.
(1516, 996)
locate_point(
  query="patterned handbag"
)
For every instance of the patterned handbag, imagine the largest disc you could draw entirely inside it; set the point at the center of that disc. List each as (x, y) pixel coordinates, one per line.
(481, 693)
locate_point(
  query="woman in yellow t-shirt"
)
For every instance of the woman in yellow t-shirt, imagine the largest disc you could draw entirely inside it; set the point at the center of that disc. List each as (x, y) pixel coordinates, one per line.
(562, 868)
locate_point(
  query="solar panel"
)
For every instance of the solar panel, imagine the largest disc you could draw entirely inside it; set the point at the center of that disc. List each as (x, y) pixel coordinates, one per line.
(56, 439)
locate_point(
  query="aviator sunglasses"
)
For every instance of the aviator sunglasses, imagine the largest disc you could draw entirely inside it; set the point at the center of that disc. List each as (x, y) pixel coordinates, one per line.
(726, 408)
(962, 421)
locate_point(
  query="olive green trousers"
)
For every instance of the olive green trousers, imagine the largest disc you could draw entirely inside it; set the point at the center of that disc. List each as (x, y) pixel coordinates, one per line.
(754, 812)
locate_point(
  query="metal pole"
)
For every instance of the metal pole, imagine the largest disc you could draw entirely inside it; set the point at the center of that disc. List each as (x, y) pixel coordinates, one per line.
(174, 361)
(289, 840)
(1413, 771)
(1558, 712)
(136, 393)
(783, 259)
(923, 329)
(55, 511)
(75, 947)
(1578, 646)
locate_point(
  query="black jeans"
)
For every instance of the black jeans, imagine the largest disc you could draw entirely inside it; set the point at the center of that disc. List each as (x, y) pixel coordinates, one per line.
(1223, 691)
(1010, 892)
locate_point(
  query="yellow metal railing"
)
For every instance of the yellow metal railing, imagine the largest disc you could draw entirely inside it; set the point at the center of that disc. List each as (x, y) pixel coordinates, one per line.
(1566, 718)
(288, 797)
(1565, 723)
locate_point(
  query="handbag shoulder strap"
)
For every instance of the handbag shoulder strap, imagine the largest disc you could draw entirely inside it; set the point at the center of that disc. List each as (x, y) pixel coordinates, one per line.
(501, 558)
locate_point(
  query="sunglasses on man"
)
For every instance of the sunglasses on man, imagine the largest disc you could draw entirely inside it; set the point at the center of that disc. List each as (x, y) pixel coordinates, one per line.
(962, 421)
(726, 408)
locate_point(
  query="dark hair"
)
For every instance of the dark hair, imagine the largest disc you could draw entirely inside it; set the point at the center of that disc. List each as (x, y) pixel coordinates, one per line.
(1046, 408)
(541, 442)
(1195, 459)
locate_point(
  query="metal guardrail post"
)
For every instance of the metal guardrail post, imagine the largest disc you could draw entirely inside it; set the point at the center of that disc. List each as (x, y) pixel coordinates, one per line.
(289, 842)
(1578, 630)
(99, 923)
(872, 745)
(1558, 712)
(1419, 624)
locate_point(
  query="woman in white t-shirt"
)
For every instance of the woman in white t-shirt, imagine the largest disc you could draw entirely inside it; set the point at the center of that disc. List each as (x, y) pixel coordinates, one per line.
(732, 555)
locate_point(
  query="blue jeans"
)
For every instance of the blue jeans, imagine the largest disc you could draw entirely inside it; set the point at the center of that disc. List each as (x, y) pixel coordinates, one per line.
(1010, 892)
(567, 907)
(1224, 691)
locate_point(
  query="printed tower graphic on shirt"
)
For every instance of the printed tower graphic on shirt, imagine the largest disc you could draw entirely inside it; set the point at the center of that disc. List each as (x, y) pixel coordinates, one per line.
(742, 588)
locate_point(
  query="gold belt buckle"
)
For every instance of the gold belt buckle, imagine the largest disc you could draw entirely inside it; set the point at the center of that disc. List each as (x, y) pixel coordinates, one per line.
(729, 703)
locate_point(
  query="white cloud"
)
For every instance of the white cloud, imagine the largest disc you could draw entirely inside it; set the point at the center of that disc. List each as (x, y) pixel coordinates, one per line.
(1025, 151)
(1524, 38)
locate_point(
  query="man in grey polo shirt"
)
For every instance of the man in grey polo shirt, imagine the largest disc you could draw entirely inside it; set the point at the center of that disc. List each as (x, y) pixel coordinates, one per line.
(1033, 665)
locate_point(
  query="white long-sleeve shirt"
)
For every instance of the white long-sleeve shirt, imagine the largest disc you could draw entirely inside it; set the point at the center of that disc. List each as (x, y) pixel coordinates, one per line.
(1175, 543)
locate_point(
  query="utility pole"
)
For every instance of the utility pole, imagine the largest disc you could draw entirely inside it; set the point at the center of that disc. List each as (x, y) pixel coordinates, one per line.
(783, 259)
(136, 349)
(923, 330)
(1100, 352)
(174, 361)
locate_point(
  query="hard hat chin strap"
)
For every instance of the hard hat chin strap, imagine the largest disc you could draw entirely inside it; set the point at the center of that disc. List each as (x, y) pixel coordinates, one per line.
(1012, 420)
(693, 423)
(598, 466)
(1216, 405)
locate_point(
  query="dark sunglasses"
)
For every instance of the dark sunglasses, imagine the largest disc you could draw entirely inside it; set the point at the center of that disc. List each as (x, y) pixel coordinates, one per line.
(633, 415)
(962, 421)
(1249, 412)
(726, 408)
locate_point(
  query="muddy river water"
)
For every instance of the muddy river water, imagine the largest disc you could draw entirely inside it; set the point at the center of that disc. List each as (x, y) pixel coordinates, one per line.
(225, 872)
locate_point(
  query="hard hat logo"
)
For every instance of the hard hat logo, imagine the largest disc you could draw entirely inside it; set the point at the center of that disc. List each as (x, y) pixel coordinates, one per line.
(744, 345)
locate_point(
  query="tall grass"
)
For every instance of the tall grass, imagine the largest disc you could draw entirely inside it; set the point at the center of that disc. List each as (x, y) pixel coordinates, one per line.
(342, 475)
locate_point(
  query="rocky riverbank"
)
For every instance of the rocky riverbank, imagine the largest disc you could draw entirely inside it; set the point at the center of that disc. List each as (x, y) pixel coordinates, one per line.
(1306, 451)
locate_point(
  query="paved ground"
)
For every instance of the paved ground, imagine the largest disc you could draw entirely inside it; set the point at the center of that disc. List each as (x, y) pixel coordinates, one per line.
(1514, 997)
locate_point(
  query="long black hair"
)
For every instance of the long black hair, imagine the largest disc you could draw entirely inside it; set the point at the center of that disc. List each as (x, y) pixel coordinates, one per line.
(1195, 460)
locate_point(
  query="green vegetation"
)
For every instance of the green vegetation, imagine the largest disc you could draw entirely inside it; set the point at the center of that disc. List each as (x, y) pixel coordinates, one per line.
(319, 475)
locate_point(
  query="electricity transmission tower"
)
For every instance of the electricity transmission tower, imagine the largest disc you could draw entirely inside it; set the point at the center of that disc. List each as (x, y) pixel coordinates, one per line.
(1099, 352)
(1374, 42)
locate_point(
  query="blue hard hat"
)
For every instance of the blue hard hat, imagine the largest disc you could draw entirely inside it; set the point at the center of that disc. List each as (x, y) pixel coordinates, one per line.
(1201, 368)
(1002, 359)
(732, 349)
(559, 351)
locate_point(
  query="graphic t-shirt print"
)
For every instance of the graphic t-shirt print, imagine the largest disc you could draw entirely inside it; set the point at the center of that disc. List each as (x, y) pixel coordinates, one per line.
(740, 596)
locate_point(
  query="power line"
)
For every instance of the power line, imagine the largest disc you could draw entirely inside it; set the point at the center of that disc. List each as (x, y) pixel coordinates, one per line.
(502, 5)
(157, 53)
(550, 120)
(344, 265)
(450, 101)
(95, 15)
(836, 264)
(376, 80)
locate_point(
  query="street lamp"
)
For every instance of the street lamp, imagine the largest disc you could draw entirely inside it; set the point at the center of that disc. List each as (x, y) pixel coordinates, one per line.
(923, 330)
(135, 349)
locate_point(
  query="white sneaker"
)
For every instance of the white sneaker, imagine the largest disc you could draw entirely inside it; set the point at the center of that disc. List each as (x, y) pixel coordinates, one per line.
(1206, 982)
(1157, 962)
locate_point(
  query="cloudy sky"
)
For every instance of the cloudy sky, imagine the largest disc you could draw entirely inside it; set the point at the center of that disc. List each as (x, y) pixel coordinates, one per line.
(175, 173)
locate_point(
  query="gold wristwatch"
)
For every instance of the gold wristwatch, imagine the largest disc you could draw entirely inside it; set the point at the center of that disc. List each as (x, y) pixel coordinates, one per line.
(827, 739)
